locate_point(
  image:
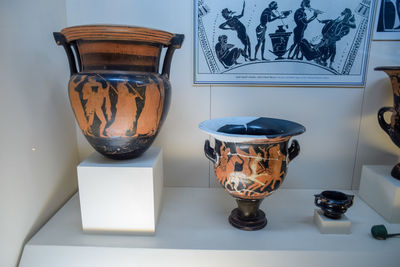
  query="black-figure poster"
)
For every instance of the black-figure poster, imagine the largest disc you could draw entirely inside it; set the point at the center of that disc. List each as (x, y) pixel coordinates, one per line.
(387, 22)
(284, 42)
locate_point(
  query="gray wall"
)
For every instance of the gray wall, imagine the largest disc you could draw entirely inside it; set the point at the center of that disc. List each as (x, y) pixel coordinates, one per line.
(38, 142)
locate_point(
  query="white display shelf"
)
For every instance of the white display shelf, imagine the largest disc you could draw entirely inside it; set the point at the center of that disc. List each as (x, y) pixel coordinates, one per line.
(193, 230)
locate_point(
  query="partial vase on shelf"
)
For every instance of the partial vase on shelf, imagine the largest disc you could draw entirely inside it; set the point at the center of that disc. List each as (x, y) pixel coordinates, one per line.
(392, 128)
(250, 159)
(119, 98)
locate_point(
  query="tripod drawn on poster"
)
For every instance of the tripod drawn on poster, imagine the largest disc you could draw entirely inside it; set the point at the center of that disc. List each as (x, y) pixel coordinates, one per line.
(282, 42)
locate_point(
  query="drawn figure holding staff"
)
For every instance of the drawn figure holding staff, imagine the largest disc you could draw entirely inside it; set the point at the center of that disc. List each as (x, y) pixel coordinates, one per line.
(126, 110)
(95, 95)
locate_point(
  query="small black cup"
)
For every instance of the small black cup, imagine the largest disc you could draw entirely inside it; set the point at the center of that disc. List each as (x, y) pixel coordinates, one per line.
(333, 203)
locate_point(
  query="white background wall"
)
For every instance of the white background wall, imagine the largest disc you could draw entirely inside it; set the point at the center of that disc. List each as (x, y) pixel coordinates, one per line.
(38, 151)
(342, 129)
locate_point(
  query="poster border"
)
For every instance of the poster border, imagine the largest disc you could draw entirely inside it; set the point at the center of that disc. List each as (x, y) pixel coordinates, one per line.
(365, 60)
(383, 36)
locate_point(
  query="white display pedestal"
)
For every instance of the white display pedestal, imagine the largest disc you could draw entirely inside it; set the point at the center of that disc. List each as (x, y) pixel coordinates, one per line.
(194, 231)
(121, 196)
(330, 226)
(381, 191)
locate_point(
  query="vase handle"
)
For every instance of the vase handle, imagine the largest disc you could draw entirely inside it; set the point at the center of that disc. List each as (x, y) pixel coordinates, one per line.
(350, 201)
(176, 42)
(294, 150)
(210, 152)
(61, 40)
(317, 200)
(381, 119)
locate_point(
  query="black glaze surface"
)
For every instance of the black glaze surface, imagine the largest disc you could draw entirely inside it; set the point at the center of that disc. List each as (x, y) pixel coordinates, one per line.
(333, 203)
(269, 127)
(392, 128)
(247, 216)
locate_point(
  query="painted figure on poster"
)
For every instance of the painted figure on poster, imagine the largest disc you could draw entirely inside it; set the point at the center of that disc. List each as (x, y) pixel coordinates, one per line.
(332, 32)
(233, 23)
(226, 53)
(268, 15)
(95, 95)
(296, 51)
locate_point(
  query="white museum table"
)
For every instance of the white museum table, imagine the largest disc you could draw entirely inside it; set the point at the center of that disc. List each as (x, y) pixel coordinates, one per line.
(193, 230)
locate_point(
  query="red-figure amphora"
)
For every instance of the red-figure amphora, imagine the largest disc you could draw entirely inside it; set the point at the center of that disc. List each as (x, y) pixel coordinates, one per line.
(119, 98)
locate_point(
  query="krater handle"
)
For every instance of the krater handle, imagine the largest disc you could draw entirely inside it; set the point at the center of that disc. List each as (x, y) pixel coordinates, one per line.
(381, 119)
(61, 40)
(317, 200)
(210, 152)
(294, 150)
(176, 42)
(350, 201)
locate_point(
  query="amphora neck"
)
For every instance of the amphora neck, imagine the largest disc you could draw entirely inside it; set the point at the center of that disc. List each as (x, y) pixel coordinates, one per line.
(117, 48)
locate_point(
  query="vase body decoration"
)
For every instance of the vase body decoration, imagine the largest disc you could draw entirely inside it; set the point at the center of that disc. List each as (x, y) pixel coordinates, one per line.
(118, 96)
(392, 128)
(250, 157)
(333, 203)
(279, 41)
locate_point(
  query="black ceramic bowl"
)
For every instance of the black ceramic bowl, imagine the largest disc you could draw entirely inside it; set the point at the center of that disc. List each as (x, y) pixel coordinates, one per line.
(333, 203)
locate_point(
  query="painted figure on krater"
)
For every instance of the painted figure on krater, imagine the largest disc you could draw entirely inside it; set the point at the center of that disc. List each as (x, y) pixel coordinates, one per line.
(126, 110)
(249, 172)
(116, 109)
(395, 80)
(152, 110)
(94, 95)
